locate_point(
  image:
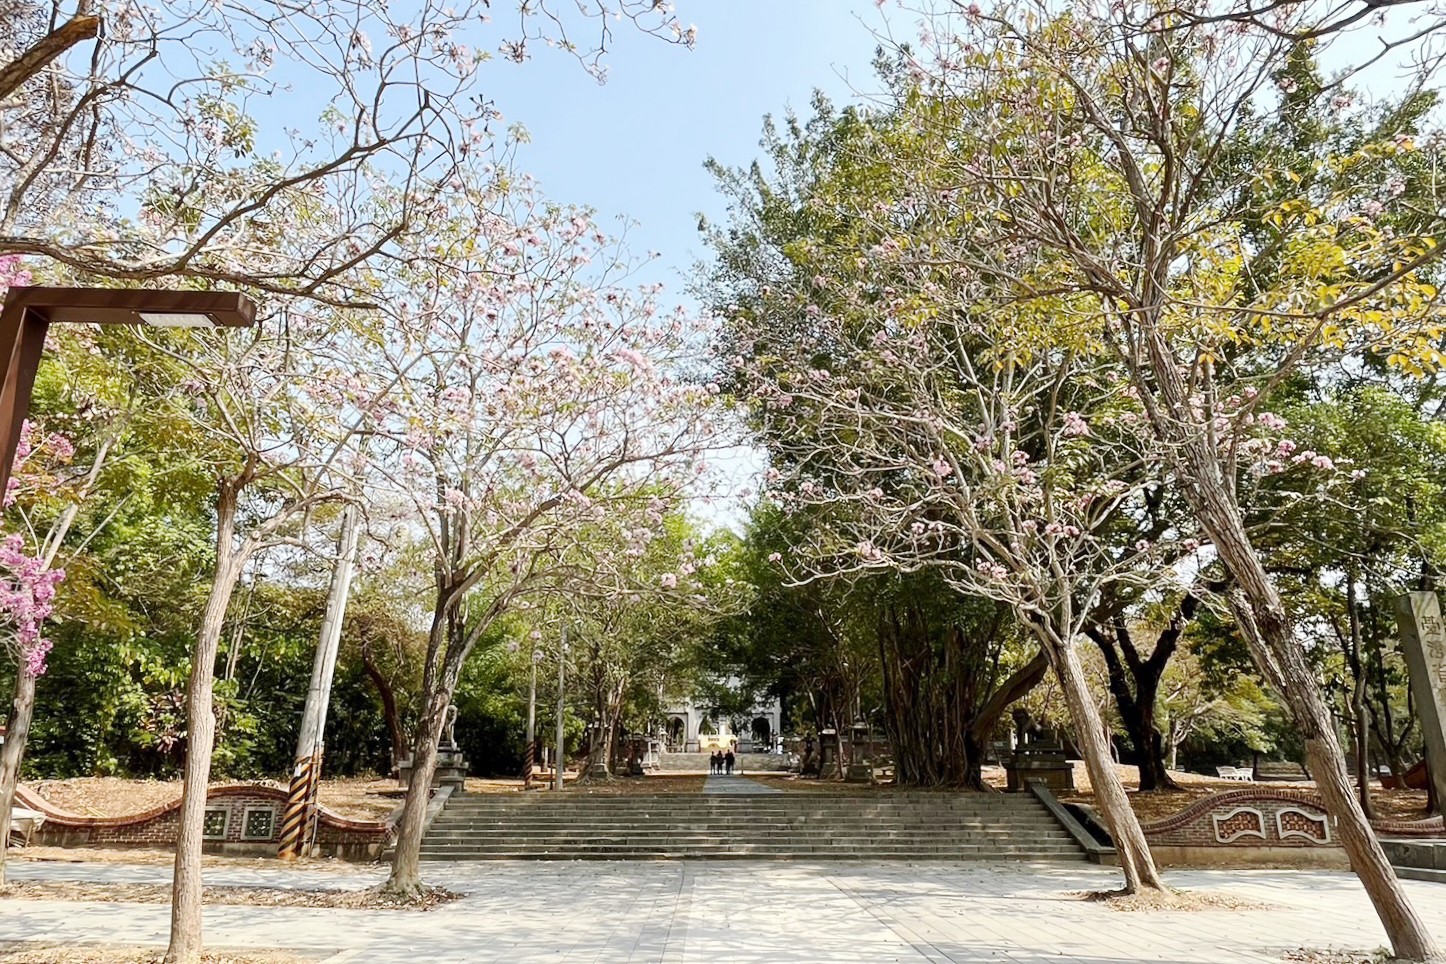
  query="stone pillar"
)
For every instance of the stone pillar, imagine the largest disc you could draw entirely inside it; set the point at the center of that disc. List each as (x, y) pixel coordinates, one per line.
(1423, 639)
(690, 729)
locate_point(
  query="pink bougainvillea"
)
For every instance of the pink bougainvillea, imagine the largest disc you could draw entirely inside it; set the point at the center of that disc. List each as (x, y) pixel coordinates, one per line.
(27, 598)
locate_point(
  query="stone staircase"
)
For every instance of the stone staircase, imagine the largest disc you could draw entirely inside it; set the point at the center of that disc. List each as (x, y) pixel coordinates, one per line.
(742, 762)
(792, 825)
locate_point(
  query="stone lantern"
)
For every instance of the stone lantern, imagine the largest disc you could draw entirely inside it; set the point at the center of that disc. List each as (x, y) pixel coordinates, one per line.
(861, 766)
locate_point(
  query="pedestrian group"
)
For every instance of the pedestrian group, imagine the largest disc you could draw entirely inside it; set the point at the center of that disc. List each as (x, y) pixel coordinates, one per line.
(721, 762)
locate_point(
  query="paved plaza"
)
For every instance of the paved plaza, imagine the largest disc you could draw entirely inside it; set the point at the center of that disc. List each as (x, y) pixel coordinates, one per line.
(733, 784)
(749, 912)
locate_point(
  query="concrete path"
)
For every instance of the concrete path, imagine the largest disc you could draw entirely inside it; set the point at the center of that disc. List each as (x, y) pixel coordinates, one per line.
(747, 911)
(735, 784)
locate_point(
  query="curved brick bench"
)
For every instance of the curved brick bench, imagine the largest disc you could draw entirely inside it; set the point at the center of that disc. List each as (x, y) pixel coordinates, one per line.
(240, 818)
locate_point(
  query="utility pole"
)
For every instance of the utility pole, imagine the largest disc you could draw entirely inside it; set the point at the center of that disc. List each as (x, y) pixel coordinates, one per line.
(561, 707)
(531, 724)
(298, 820)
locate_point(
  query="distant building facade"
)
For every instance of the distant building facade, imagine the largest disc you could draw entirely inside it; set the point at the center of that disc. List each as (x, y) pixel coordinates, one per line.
(691, 728)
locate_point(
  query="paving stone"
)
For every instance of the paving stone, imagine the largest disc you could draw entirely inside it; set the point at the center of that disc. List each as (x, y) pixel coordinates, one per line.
(692, 912)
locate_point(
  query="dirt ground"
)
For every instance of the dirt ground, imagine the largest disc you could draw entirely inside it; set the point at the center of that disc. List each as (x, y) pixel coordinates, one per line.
(106, 796)
(38, 953)
(1152, 806)
(1159, 804)
(363, 798)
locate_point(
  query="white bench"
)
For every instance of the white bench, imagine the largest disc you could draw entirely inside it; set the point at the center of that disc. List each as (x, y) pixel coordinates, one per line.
(1236, 773)
(24, 822)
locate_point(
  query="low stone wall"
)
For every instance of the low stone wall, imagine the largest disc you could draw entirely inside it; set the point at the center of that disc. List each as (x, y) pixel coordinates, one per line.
(241, 818)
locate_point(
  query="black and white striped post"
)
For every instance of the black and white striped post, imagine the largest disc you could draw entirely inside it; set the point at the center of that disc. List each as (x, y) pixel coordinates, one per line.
(530, 767)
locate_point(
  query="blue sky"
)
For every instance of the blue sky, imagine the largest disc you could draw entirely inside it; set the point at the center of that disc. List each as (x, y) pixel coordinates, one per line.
(635, 146)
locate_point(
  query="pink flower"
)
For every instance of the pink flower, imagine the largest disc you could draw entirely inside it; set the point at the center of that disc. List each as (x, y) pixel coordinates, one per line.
(27, 598)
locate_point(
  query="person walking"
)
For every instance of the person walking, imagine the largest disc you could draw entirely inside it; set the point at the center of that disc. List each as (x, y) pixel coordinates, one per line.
(728, 762)
(715, 762)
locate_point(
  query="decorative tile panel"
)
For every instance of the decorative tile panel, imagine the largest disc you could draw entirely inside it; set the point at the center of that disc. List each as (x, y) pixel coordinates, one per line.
(213, 826)
(1294, 822)
(1237, 823)
(259, 823)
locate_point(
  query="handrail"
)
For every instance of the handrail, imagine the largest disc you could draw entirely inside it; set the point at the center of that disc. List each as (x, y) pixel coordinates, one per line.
(1097, 852)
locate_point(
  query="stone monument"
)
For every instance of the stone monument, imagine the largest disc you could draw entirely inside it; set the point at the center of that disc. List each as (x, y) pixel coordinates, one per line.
(452, 765)
(1039, 756)
(1423, 639)
(861, 765)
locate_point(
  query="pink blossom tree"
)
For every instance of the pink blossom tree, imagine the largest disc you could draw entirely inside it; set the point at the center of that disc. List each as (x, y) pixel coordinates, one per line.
(27, 599)
(1123, 197)
(278, 415)
(135, 145)
(543, 429)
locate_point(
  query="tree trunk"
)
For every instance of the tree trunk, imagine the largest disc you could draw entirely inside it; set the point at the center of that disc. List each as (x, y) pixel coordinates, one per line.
(185, 946)
(17, 732)
(406, 875)
(396, 732)
(1361, 733)
(979, 729)
(1137, 707)
(1134, 852)
(1150, 747)
(1267, 628)
(1264, 623)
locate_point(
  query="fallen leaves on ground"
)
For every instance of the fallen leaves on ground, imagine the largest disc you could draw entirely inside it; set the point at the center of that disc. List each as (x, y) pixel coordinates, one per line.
(1154, 900)
(361, 798)
(1312, 955)
(369, 899)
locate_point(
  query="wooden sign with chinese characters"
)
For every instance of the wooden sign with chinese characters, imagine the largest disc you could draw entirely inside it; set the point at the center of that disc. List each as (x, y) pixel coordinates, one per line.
(1423, 639)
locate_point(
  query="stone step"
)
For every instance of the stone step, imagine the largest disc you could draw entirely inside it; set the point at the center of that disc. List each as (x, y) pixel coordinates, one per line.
(780, 799)
(691, 833)
(931, 826)
(687, 843)
(749, 830)
(879, 855)
(736, 810)
(743, 819)
(1422, 873)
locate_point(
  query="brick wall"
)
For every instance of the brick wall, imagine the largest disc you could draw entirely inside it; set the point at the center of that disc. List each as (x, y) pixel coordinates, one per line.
(240, 818)
(1242, 819)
